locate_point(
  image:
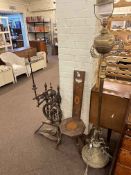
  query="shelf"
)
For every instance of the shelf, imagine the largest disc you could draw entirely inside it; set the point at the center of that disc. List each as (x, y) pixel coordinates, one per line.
(6, 41)
(39, 22)
(3, 46)
(37, 25)
(38, 32)
(4, 32)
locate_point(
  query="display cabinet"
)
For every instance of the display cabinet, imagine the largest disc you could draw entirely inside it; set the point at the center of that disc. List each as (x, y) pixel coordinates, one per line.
(39, 28)
(5, 36)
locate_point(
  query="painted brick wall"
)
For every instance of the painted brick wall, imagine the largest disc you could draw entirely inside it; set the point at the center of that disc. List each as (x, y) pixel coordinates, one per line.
(76, 30)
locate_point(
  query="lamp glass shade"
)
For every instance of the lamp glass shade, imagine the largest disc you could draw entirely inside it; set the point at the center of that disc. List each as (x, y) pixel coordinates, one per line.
(104, 9)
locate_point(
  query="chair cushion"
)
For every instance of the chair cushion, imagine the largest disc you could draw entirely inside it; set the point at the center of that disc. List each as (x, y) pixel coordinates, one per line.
(4, 68)
(72, 127)
(34, 59)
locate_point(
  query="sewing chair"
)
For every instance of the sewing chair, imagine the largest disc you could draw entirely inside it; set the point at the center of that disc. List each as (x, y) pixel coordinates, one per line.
(74, 126)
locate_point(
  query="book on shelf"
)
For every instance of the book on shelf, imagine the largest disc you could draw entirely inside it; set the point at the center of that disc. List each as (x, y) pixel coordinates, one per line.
(37, 19)
(38, 28)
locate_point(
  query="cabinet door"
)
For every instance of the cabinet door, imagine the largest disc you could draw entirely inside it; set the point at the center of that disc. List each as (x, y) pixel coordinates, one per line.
(113, 111)
(124, 158)
(122, 170)
(126, 143)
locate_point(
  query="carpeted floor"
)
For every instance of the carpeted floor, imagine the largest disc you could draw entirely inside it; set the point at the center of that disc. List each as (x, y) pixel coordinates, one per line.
(22, 152)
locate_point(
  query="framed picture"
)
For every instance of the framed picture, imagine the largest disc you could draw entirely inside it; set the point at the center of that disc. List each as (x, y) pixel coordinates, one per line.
(117, 25)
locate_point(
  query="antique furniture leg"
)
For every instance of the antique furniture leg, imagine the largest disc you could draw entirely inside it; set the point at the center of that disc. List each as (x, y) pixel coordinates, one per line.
(79, 143)
(86, 171)
(59, 135)
(109, 132)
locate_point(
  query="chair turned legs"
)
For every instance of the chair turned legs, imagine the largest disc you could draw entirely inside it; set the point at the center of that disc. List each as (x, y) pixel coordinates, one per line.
(59, 136)
(79, 143)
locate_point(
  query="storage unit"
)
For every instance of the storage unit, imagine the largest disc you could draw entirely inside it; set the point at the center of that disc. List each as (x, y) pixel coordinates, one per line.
(123, 162)
(119, 67)
(39, 45)
(5, 36)
(39, 28)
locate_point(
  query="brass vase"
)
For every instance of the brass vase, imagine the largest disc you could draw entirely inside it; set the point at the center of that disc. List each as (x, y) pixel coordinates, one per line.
(104, 42)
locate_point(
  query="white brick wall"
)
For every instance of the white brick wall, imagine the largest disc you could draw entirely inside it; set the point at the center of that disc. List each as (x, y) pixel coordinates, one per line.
(76, 29)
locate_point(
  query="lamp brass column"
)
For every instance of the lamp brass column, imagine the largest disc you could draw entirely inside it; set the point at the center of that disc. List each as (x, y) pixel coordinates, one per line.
(95, 152)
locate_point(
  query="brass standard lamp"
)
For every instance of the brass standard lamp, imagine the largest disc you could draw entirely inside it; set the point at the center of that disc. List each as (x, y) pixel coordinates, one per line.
(95, 153)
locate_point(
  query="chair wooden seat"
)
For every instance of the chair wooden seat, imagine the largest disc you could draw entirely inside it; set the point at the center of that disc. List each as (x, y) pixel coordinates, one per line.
(72, 127)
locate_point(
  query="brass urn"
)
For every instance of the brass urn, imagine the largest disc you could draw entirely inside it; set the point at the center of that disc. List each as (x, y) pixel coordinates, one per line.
(95, 156)
(104, 42)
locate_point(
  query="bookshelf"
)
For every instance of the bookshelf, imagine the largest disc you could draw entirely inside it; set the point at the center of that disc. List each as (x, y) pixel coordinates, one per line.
(5, 36)
(39, 28)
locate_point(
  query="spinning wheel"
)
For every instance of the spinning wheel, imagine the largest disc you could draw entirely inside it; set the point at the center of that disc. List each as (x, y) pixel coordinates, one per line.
(51, 101)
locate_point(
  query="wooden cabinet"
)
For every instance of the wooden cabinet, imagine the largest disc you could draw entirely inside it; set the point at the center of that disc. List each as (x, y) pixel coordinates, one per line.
(39, 45)
(39, 28)
(114, 105)
(122, 170)
(123, 161)
(126, 143)
(25, 52)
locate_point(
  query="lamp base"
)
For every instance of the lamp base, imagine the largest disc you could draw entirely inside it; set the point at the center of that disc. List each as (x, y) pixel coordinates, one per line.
(94, 157)
(94, 153)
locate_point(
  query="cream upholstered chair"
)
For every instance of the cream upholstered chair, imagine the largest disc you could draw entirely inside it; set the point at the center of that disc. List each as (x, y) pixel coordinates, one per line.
(37, 62)
(6, 75)
(17, 63)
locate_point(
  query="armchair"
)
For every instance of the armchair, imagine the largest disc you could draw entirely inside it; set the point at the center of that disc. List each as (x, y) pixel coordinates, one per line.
(17, 63)
(6, 75)
(37, 62)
